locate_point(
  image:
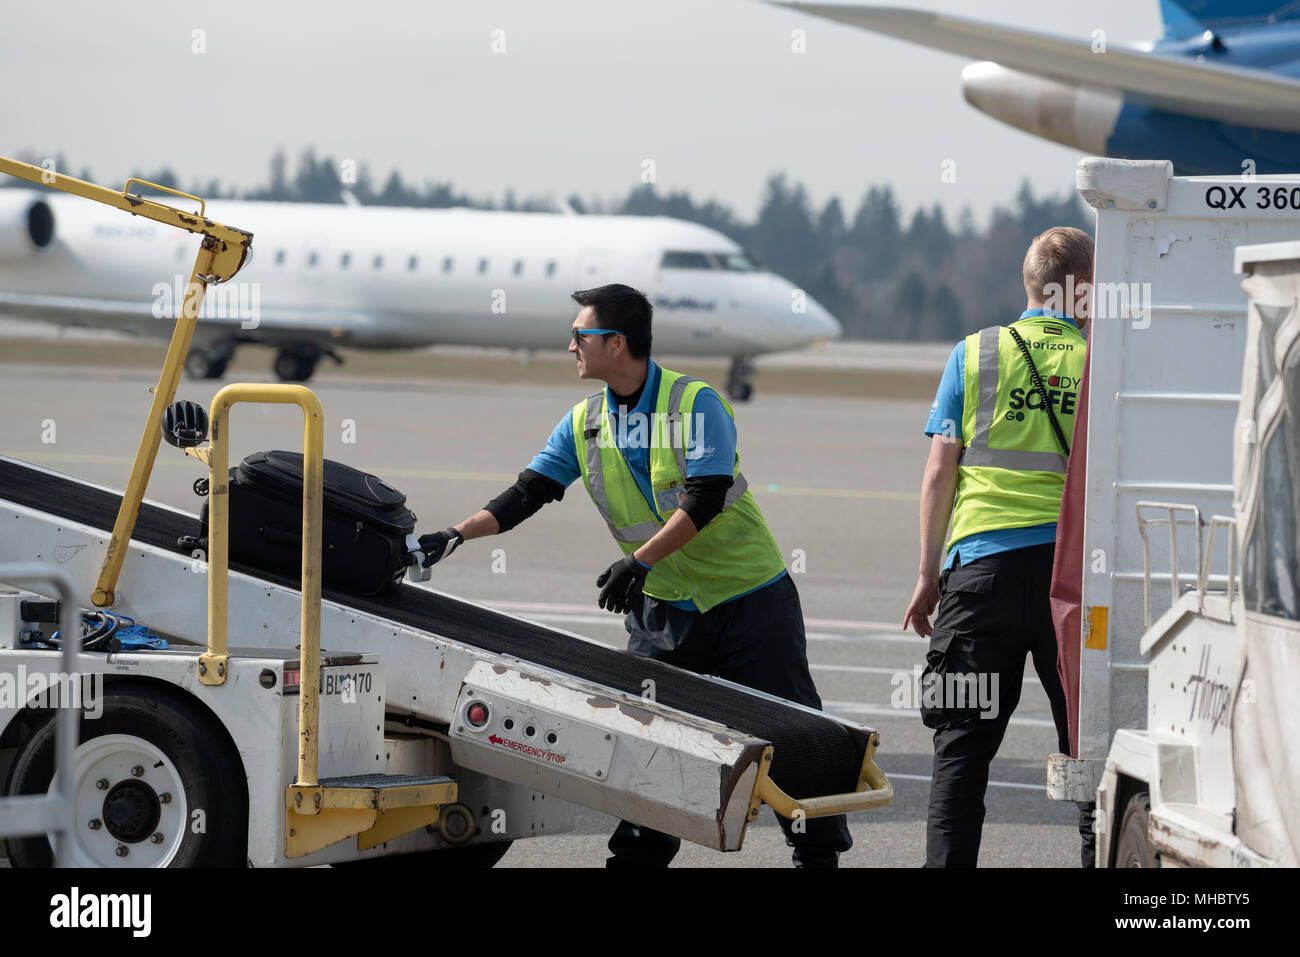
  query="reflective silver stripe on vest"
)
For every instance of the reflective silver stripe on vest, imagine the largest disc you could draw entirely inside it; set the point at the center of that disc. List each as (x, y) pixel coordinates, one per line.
(988, 370)
(739, 485)
(978, 454)
(642, 531)
(1013, 459)
(675, 421)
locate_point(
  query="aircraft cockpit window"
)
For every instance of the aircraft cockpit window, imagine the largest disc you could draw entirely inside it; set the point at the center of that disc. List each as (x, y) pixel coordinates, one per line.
(686, 260)
(735, 262)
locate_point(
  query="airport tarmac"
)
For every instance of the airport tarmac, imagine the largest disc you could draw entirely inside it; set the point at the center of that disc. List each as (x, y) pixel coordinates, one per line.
(836, 477)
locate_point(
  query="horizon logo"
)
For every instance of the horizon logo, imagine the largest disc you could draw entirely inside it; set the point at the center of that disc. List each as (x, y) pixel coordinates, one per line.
(685, 302)
(130, 911)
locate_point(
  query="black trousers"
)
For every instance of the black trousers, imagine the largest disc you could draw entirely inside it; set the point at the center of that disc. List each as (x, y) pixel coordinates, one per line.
(992, 613)
(757, 641)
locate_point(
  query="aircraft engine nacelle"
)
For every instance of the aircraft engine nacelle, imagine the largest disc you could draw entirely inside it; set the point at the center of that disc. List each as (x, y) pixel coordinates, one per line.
(26, 224)
(1082, 117)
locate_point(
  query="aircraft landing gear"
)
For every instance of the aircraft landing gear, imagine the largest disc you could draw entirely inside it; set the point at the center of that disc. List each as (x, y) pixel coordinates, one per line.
(739, 386)
(210, 362)
(297, 363)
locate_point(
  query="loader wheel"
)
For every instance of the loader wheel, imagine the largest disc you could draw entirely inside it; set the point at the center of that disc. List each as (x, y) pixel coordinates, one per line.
(155, 784)
(1135, 848)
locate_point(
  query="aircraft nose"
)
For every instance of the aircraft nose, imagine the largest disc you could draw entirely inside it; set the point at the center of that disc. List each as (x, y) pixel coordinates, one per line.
(821, 323)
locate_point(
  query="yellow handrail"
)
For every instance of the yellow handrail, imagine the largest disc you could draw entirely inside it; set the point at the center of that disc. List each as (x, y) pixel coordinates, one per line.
(222, 253)
(213, 663)
(873, 790)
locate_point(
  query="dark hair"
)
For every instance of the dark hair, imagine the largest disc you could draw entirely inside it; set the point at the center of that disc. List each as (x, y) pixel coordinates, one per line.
(623, 308)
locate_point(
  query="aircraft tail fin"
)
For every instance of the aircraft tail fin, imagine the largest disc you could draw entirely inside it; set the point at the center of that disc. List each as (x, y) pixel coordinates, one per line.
(1178, 23)
(1189, 18)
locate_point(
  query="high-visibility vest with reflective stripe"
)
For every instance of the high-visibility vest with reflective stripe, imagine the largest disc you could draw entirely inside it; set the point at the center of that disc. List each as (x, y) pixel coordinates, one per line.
(1012, 468)
(734, 553)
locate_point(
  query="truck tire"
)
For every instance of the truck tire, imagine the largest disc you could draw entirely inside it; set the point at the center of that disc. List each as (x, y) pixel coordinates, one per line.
(156, 785)
(470, 857)
(1135, 848)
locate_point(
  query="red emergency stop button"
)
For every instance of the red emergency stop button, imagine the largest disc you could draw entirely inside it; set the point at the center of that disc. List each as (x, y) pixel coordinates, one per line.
(477, 714)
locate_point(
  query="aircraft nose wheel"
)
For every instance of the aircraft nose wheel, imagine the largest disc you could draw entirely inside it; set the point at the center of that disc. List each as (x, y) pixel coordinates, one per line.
(739, 386)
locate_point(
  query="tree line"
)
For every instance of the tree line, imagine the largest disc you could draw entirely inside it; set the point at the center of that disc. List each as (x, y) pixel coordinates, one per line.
(885, 275)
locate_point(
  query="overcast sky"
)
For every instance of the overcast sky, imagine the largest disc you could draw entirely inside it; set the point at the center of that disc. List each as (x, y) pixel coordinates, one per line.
(584, 92)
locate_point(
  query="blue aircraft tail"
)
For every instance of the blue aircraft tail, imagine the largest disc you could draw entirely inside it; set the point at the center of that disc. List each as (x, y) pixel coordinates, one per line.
(1188, 18)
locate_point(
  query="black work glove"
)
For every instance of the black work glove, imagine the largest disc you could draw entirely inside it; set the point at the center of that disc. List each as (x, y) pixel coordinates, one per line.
(620, 584)
(439, 545)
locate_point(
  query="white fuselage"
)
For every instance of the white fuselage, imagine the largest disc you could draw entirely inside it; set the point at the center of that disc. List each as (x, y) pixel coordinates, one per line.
(382, 277)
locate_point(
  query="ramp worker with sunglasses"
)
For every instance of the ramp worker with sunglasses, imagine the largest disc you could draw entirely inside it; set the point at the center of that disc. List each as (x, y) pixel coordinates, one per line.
(999, 429)
(701, 581)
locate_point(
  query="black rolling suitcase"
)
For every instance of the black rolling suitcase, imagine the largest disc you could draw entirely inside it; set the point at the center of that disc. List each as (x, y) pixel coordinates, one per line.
(365, 522)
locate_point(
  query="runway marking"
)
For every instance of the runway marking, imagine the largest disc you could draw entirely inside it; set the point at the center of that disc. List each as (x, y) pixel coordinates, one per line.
(888, 711)
(993, 784)
(879, 670)
(774, 488)
(852, 625)
(887, 639)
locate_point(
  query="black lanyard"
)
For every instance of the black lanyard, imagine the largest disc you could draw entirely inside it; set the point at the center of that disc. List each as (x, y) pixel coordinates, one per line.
(1038, 384)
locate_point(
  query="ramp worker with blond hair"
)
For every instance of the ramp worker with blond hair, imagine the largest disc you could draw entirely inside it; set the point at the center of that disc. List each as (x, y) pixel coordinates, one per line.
(1000, 430)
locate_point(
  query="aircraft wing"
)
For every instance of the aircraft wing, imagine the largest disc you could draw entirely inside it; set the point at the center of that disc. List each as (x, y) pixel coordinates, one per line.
(1176, 84)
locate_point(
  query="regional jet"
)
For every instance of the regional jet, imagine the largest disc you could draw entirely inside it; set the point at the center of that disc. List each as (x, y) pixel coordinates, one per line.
(324, 276)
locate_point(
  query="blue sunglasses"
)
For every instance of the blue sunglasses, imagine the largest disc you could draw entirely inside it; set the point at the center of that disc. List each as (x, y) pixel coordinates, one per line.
(579, 333)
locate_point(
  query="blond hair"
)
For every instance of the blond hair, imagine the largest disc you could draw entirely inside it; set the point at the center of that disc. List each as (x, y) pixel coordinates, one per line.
(1056, 260)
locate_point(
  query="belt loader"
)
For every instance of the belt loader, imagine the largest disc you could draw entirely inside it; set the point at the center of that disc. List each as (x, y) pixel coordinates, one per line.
(287, 725)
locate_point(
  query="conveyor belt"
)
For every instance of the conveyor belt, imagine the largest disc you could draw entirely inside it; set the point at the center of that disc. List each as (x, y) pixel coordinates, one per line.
(814, 755)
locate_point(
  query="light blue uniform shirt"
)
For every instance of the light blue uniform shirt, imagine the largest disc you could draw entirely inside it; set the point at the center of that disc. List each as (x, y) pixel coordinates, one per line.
(949, 404)
(712, 452)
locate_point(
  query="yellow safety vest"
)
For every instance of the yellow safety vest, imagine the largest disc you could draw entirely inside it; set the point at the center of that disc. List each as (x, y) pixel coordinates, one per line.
(734, 553)
(1012, 468)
